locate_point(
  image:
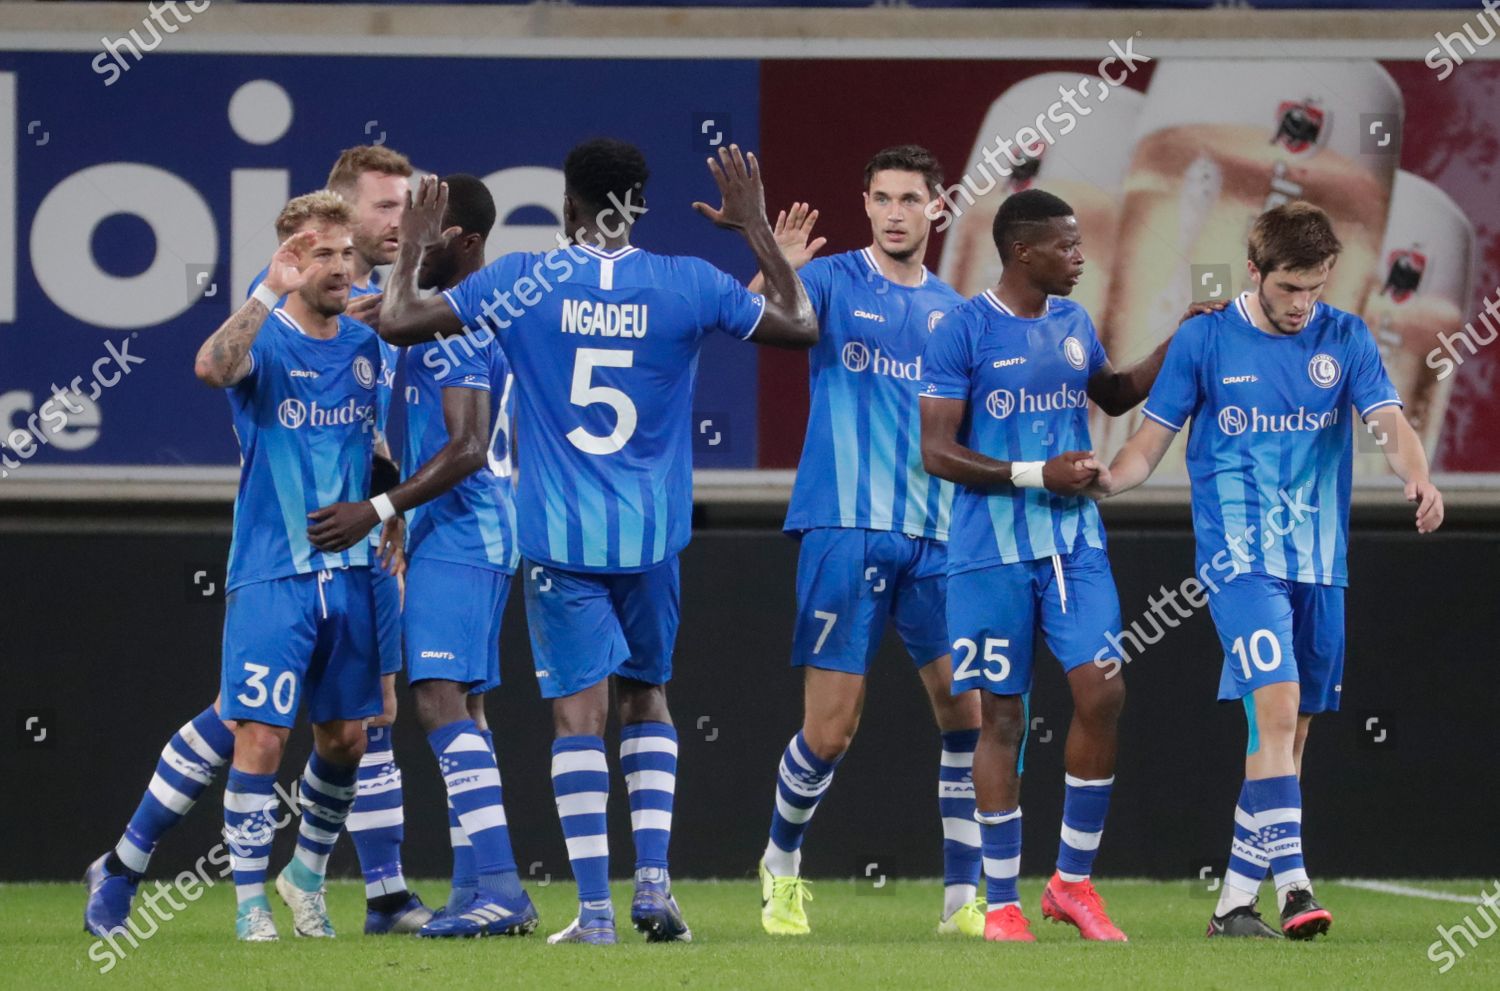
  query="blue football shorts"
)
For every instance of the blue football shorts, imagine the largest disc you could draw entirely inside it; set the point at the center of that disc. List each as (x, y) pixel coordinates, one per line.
(452, 623)
(993, 614)
(1274, 630)
(306, 639)
(387, 592)
(587, 626)
(851, 581)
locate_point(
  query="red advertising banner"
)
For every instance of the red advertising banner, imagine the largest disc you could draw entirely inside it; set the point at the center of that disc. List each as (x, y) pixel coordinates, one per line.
(1167, 163)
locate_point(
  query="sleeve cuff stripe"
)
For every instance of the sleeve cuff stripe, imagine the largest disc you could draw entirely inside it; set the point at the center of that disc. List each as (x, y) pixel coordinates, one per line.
(453, 305)
(1174, 427)
(1375, 406)
(758, 317)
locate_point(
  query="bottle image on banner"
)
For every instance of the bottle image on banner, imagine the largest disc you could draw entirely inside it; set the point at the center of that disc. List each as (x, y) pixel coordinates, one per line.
(1423, 284)
(1220, 141)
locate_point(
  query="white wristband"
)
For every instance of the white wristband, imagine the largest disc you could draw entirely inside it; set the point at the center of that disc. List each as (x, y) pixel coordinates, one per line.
(383, 506)
(1026, 474)
(265, 297)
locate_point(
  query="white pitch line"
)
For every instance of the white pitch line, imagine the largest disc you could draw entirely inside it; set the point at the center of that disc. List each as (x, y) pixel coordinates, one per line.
(1387, 888)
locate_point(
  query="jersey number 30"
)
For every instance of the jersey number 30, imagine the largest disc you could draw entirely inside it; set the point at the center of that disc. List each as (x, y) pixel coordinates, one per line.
(282, 694)
(586, 394)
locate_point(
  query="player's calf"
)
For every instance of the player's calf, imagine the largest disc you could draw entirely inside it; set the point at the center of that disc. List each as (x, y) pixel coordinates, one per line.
(188, 764)
(498, 904)
(648, 759)
(963, 909)
(326, 791)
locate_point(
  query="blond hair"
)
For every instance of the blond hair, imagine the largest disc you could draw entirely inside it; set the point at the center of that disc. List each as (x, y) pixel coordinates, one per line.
(355, 162)
(324, 207)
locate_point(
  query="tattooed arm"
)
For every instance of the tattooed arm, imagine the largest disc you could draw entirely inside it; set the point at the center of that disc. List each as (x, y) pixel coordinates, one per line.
(224, 358)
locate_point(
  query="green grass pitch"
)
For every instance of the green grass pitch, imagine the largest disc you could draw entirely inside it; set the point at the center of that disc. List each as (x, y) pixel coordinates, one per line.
(861, 939)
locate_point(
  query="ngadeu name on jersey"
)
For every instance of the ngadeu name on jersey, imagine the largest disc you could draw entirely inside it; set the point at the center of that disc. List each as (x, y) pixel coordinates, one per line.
(583, 316)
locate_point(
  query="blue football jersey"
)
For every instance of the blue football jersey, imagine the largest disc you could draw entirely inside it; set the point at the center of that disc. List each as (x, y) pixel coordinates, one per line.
(304, 418)
(473, 523)
(861, 461)
(1270, 452)
(1026, 383)
(604, 347)
(390, 356)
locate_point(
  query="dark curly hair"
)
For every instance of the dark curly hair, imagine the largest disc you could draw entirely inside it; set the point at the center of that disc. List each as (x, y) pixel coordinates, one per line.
(471, 208)
(604, 171)
(1021, 213)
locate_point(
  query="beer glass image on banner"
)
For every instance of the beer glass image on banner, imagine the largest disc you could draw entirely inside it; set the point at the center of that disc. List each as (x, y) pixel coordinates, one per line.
(1218, 142)
(1424, 284)
(1084, 164)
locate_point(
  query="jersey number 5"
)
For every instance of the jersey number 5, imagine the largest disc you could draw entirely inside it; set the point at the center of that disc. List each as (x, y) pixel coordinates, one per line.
(586, 394)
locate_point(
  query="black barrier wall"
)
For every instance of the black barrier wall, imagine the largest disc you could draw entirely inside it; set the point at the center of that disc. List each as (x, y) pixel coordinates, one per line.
(111, 642)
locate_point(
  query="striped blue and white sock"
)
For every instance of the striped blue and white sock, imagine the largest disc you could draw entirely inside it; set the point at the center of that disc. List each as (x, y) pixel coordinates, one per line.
(325, 792)
(188, 764)
(648, 759)
(1248, 863)
(465, 876)
(467, 762)
(1277, 806)
(961, 863)
(580, 781)
(249, 826)
(801, 779)
(1000, 838)
(1085, 804)
(376, 823)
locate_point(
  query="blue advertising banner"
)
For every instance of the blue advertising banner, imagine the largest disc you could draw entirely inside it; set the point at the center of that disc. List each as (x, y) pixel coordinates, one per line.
(137, 199)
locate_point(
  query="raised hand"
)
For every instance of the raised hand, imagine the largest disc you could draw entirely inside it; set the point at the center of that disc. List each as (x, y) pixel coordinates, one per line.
(422, 220)
(287, 273)
(744, 198)
(793, 230)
